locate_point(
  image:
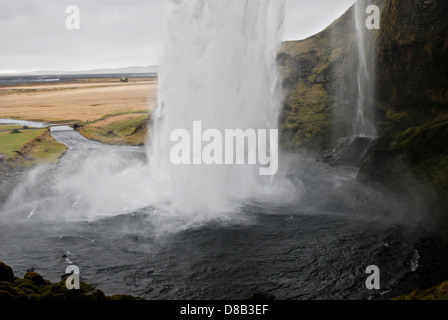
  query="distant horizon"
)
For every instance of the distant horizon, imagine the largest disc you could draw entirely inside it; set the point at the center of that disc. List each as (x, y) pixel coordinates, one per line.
(116, 34)
(75, 72)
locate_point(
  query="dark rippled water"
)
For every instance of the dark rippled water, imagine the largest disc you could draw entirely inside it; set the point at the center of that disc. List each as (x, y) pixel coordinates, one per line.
(317, 249)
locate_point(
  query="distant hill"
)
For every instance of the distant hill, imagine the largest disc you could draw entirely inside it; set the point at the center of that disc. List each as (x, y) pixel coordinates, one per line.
(128, 70)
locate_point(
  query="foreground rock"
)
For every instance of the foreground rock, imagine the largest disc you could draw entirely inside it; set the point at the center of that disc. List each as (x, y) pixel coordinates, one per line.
(439, 292)
(34, 287)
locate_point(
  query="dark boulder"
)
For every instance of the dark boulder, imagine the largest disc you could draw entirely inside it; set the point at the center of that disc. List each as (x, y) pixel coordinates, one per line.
(35, 278)
(6, 273)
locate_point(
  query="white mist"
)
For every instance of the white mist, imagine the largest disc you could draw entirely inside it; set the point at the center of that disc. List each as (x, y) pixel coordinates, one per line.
(219, 67)
(364, 126)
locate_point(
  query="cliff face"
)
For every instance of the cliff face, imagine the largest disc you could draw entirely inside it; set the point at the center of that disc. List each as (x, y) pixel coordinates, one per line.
(410, 103)
(321, 85)
(410, 109)
(411, 155)
(412, 63)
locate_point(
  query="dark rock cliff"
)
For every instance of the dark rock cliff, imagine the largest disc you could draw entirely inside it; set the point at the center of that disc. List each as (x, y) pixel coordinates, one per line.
(410, 155)
(321, 85)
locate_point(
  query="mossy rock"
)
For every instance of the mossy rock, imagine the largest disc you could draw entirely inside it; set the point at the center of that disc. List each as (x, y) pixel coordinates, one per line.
(27, 286)
(13, 291)
(35, 287)
(6, 273)
(35, 278)
(6, 296)
(35, 296)
(96, 295)
(51, 297)
(58, 288)
(17, 293)
(75, 295)
(124, 297)
(85, 287)
(439, 292)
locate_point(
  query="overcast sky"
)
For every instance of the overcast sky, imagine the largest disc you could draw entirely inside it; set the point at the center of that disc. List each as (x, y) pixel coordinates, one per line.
(114, 33)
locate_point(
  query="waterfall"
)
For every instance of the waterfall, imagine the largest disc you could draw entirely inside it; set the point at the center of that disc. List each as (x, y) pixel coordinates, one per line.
(218, 67)
(364, 126)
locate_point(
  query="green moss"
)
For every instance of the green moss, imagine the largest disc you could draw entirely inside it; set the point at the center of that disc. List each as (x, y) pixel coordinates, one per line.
(307, 119)
(28, 287)
(34, 296)
(58, 288)
(414, 162)
(122, 297)
(34, 287)
(35, 278)
(97, 295)
(439, 292)
(6, 296)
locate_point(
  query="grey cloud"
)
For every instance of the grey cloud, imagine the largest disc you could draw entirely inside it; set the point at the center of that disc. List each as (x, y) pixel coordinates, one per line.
(114, 33)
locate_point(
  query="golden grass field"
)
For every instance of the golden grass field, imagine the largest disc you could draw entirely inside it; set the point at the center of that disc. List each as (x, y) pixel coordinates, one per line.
(109, 111)
(85, 100)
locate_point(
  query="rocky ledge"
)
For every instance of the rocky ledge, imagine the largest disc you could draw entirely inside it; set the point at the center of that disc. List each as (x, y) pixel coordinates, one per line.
(34, 287)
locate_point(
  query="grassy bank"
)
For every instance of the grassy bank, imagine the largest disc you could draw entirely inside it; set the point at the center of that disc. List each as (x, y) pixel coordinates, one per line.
(124, 128)
(21, 147)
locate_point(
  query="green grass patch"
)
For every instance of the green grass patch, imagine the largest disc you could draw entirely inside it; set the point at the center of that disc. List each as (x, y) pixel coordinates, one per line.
(28, 147)
(9, 127)
(117, 129)
(46, 150)
(10, 142)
